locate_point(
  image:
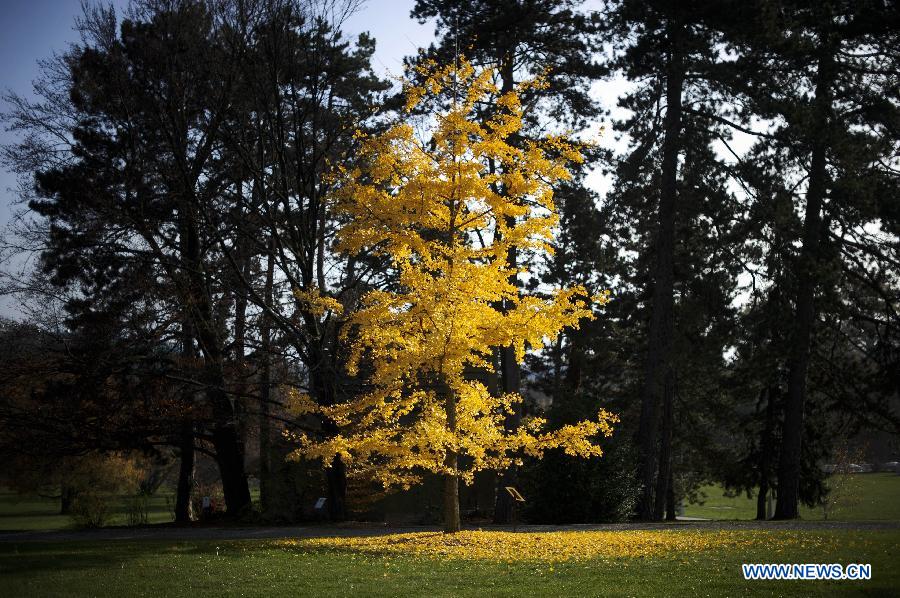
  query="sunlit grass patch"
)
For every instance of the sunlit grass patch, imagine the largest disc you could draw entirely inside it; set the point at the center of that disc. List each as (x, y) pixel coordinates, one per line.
(867, 497)
(560, 546)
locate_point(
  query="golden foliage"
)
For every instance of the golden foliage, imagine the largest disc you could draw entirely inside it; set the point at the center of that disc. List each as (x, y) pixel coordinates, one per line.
(447, 211)
(557, 546)
(312, 301)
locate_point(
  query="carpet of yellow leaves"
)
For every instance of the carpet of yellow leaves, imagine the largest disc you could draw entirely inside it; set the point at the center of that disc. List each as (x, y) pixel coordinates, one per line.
(559, 546)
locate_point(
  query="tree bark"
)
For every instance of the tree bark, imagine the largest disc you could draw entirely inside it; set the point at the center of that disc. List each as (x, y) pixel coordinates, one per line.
(336, 473)
(226, 438)
(230, 459)
(789, 465)
(662, 313)
(66, 498)
(265, 389)
(510, 374)
(452, 522)
(184, 512)
(323, 383)
(671, 513)
(227, 441)
(240, 338)
(336, 477)
(765, 459)
(761, 497)
(665, 450)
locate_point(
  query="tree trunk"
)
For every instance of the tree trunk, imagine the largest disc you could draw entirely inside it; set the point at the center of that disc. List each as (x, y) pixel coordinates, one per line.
(765, 459)
(323, 384)
(671, 513)
(227, 441)
(452, 522)
(665, 451)
(228, 444)
(183, 508)
(662, 314)
(336, 477)
(265, 389)
(226, 438)
(230, 459)
(761, 497)
(66, 498)
(510, 380)
(805, 311)
(510, 375)
(240, 339)
(576, 362)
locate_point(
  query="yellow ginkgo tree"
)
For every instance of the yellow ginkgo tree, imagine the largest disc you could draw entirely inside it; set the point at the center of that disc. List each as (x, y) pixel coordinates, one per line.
(445, 207)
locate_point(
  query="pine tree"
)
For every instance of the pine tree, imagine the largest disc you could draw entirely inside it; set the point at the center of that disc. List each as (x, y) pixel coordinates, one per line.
(149, 101)
(672, 178)
(824, 74)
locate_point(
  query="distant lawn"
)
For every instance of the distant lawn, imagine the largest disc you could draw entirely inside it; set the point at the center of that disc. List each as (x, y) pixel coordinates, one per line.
(671, 562)
(21, 512)
(875, 496)
(35, 513)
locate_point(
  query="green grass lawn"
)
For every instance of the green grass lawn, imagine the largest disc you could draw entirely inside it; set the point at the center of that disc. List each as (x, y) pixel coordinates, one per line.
(35, 513)
(23, 512)
(277, 568)
(875, 496)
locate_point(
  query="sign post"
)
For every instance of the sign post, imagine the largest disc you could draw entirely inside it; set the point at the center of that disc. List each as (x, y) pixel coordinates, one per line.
(319, 508)
(517, 498)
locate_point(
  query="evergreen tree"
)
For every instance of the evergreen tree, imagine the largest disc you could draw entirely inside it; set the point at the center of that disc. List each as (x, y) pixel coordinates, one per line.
(149, 102)
(824, 74)
(673, 178)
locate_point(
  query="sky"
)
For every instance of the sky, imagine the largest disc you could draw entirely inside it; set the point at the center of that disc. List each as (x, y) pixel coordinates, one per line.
(30, 30)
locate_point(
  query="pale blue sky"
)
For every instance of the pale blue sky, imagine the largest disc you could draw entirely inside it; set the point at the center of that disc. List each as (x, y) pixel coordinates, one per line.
(29, 31)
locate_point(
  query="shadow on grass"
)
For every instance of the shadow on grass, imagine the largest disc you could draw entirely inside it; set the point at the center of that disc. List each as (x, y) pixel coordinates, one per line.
(34, 558)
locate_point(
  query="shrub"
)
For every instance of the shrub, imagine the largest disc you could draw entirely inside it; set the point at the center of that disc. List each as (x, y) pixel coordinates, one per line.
(137, 509)
(97, 482)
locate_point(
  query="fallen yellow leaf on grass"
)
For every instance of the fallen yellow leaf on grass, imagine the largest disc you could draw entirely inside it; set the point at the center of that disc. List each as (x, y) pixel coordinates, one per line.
(555, 546)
